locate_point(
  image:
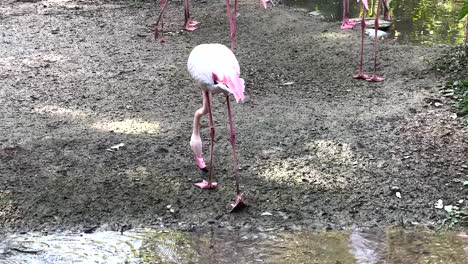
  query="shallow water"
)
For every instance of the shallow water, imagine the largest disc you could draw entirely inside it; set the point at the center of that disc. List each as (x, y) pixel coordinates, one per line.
(221, 246)
(414, 21)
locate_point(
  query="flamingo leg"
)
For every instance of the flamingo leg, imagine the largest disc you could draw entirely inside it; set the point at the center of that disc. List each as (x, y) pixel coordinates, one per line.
(209, 184)
(232, 23)
(387, 13)
(360, 74)
(162, 8)
(347, 23)
(374, 77)
(239, 202)
(190, 25)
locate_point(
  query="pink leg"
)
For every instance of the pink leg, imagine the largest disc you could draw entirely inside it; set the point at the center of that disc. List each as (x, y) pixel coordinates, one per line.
(232, 23)
(387, 13)
(190, 25)
(239, 203)
(360, 74)
(234, 34)
(209, 184)
(374, 77)
(162, 7)
(346, 23)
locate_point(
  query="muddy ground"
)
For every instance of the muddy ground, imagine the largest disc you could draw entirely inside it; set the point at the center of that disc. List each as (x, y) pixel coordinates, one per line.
(78, 77)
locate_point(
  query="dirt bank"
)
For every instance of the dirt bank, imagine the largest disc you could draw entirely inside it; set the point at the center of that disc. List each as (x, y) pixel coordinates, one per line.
(79, 77)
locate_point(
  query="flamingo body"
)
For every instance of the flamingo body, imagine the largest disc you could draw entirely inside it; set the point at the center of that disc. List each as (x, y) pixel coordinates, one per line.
(216, 68)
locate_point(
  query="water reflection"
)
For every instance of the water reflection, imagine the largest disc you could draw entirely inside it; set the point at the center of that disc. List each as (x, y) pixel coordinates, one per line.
(222, 246)
(424, 247)
(415, 21)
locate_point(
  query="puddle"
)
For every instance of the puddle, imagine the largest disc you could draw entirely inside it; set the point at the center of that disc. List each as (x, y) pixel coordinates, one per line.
(222, 246)
(414, 21)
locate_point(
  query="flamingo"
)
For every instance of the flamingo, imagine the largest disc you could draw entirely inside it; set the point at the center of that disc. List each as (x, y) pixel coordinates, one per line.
(217, 70)
(360, 74)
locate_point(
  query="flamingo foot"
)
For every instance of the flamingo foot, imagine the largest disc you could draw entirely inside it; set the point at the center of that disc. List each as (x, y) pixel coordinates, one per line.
(206, 185)
(348, 24)
(157, 36)
(190, 28)
(192, 22)
(239, 203)
(361, 75)
(375, 78)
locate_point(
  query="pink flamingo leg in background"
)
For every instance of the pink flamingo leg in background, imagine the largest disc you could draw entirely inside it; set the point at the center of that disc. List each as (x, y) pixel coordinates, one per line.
(374, 77)
(232, 18)
(162, 7)
(190, 25)
(347, 23)
(232, 23)
(360, 74)
(387, 13)
(265, 2)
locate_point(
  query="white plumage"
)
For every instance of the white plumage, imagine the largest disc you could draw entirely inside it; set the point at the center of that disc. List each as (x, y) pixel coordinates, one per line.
(216, 68)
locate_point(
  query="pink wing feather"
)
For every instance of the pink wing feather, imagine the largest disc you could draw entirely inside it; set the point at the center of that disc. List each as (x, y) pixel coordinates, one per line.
(234, 82)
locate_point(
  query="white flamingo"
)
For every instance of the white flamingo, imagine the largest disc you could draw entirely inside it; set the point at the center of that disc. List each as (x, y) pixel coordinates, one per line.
(217, 71)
